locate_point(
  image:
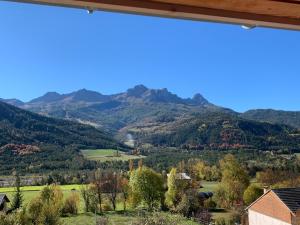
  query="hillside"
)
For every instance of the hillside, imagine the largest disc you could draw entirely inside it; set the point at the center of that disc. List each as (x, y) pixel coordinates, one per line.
(22, 127)
(274, 116)
(219, 131)
(27, 139)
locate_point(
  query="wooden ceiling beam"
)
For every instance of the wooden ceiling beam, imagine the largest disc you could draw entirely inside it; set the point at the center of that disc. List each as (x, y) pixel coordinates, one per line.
(283, 14)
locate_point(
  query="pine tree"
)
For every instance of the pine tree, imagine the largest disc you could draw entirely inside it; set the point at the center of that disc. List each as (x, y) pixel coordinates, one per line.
(18, 196)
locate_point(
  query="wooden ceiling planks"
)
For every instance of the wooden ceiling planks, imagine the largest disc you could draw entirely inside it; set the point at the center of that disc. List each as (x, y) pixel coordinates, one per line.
(269, 13)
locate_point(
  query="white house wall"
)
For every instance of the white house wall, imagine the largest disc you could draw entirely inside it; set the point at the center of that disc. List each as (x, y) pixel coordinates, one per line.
(256, 218)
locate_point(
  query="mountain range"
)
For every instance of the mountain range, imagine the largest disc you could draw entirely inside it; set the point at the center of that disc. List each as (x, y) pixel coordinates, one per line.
(157, 116)
(114, 112)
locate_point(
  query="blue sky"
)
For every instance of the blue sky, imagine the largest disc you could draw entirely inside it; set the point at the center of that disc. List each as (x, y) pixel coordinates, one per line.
(46, 48)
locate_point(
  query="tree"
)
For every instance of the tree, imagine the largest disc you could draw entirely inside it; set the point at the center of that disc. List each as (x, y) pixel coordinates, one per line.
(172, 195)
(53, 195)
(215, 173)
(86, 196)
(112, 187)
(181, 166)
(147, 186)
(18, 196)
(46, 208)
(131, 165)
(98, 187)
(189, 203)
(140, 163)
(233, 184)
(124, 188)
(252, 193)
(199, 170)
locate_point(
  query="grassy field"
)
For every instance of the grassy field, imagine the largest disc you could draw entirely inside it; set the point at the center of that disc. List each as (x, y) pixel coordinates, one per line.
(222, 214)
(30, 192)
(107, 155)
(116, 218)
(89, 219)
(38, 188)
(209, 186)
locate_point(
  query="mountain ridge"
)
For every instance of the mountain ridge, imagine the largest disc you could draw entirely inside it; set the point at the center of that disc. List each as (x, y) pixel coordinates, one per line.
(138, 91)
(140, 106)
(116, 111)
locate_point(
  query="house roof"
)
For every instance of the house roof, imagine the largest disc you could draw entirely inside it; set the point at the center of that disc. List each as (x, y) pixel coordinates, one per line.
(2, 198)
(181, 176)
(290, 197)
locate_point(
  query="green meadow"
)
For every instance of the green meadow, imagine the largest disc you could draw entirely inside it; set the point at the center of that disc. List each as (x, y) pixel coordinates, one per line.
(108, 155)
(116, 218)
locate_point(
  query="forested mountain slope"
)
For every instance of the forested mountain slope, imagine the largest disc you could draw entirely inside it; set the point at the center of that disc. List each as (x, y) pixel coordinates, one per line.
(219, 131)
(274, 116)
(29, 140)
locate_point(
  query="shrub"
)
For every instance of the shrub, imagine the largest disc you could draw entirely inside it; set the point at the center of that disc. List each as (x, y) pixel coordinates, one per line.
(203, 216)
(220, 221)
(106, 207)
(210, 204)
(34, 209)
(7, 220)
(71, 204)
(235, 218)
(252, 193)
(49, 215)
(161, 219)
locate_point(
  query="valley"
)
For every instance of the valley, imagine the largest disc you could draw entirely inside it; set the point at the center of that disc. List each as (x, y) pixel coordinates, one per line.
(109, 153)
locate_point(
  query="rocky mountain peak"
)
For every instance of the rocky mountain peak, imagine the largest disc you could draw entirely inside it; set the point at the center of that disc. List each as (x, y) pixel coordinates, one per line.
(48, 97)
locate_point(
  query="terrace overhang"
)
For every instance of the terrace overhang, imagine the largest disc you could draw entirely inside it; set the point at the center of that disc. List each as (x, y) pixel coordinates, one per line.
(284, 14)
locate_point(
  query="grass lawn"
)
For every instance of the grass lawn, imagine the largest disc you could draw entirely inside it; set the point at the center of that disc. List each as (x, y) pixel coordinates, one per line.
(222, 214)
(209, 186)
(89, 219)
(298, 155)
(107, 155)
(38, 188)
(115, 218)
(30, 192)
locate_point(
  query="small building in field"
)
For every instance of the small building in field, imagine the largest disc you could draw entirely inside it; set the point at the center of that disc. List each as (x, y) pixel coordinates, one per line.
(276, 207)
(182, 176)
(3, 203)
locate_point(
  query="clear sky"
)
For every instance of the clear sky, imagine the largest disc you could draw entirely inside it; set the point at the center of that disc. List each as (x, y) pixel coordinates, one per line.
(46, 48)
